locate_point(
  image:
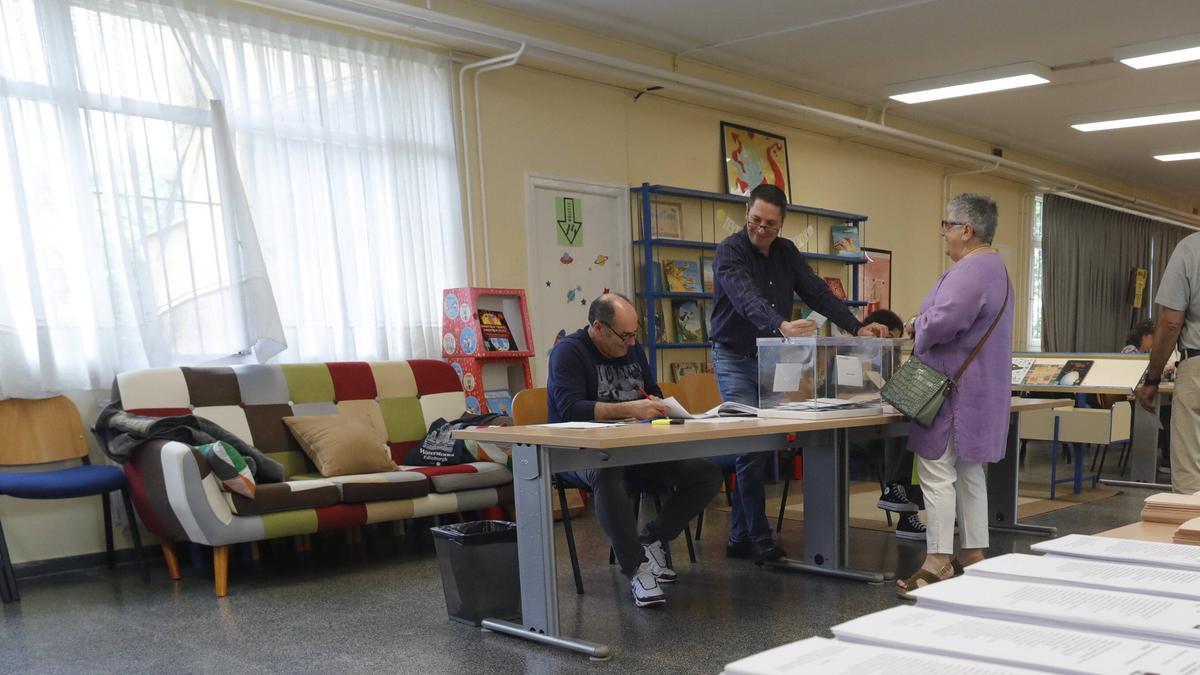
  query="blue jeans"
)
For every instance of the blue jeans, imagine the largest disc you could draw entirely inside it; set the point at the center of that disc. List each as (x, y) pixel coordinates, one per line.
(737, 380)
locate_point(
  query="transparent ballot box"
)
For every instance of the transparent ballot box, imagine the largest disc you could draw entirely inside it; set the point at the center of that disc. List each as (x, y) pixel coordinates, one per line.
(824, 377)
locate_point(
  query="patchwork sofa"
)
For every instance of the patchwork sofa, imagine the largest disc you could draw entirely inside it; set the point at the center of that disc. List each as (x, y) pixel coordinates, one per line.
(181, 500)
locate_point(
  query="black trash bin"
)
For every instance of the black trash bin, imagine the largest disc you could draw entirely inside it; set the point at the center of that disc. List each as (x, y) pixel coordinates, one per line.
(479, 570)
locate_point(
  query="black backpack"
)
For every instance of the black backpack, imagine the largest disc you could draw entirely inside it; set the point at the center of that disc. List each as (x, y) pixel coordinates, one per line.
(439, 449)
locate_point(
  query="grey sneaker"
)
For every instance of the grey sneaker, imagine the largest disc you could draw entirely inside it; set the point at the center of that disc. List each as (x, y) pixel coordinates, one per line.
(646, 591)
(656, 557)
(910, 527)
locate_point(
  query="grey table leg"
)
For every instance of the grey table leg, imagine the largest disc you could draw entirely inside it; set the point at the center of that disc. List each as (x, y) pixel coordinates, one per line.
(1143, 463)
(535, 554)
(1003, 478)
(827, 512)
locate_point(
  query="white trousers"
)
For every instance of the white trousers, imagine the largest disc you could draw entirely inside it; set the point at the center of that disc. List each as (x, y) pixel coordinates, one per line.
(953, 486)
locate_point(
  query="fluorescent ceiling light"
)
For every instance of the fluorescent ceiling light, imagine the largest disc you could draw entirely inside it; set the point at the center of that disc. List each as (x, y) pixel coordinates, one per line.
(1142, 117)
(1178, 157)
(1013, 76)
(1160, 53)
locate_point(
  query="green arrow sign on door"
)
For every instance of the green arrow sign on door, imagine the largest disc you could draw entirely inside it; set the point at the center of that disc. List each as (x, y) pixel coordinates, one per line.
(568, 212)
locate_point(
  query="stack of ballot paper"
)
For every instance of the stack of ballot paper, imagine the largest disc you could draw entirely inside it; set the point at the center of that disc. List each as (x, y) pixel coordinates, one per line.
(1123, 614)
(1129, 551)
(1164, 581)
(1058, 650)
(1188, 533)
(1167, 507)
(821, 656)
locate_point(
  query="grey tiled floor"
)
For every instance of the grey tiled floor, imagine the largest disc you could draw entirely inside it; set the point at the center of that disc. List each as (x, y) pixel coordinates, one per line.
(379, 608)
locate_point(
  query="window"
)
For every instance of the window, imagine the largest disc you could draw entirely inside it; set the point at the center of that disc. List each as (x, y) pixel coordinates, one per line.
(185, 186)
(1034, 336)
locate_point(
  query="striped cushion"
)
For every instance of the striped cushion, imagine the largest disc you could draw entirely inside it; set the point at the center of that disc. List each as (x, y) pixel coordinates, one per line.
(458, 477)
(372, 487)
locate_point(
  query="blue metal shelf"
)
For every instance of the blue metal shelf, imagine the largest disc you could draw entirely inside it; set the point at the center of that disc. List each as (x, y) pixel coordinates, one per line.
(678, 243)
(736, 199)
(665, 294)
(844, 259)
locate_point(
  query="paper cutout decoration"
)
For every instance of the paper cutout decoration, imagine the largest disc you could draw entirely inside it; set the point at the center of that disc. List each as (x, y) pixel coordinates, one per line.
(568, 214)
(566, 258)
(571, 295)
(547, 283)
(600, 260)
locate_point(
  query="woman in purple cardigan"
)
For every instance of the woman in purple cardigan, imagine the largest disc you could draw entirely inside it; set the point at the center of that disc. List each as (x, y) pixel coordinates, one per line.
(972, 426)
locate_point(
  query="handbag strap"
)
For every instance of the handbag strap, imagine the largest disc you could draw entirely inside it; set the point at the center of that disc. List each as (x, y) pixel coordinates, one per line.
(988, 334)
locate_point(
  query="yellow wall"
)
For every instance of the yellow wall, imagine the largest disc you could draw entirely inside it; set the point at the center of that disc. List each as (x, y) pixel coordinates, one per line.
(540, 122)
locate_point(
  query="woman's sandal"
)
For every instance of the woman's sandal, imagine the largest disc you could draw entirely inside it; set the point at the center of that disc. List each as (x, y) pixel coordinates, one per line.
(913, 583)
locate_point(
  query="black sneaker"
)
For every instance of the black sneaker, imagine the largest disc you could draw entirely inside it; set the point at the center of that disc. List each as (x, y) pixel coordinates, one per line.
(739, 549)
(767, 551)
(895, 499)
(910, 527)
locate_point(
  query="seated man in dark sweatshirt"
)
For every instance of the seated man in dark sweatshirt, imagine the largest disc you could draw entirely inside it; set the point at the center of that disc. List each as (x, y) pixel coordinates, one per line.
(600, 373)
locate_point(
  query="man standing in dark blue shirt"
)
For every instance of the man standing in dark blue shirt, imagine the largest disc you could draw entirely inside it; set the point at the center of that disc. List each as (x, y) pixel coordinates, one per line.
(755, 275)
(599, 373)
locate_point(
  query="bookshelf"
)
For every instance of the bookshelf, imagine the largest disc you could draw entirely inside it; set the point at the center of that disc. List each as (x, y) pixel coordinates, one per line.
(673, 223)
(468, 349)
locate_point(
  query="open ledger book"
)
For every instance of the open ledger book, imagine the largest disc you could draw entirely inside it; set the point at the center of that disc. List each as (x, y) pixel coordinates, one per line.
(820, 656)
(727, 409)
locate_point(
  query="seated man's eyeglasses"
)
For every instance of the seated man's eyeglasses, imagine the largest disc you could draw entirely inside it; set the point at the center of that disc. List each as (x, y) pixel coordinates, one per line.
(760, 224)
(948, 225)
(624, 337)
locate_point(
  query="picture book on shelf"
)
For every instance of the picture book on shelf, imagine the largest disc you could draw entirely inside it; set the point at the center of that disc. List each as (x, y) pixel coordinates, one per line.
(1043, 374)
(1073, 372)
(688, 317)
(493, 328)
(1020, 367)
(499, 401)
(679, 369)
(835, 285)
(847, 240)
(682, 276)
(706, 273)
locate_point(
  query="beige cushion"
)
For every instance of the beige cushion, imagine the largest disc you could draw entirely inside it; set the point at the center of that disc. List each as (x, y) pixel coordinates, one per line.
(341, 445)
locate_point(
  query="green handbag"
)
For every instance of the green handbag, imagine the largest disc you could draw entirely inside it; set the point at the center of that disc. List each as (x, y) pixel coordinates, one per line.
(918, 390)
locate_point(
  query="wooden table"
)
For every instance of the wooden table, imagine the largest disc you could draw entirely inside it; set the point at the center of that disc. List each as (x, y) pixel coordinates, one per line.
(541, 452)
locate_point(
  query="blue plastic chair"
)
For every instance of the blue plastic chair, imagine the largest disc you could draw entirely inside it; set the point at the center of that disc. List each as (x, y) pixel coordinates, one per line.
(50, 430)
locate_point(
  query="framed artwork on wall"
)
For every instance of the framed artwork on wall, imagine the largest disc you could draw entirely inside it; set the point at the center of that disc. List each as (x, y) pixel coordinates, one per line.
(875, 279)
(667, 220)
(750, 157)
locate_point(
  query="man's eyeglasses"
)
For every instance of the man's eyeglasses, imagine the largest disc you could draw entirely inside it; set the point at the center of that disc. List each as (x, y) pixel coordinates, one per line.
(760, 224)
(624, 337)
(948, 225)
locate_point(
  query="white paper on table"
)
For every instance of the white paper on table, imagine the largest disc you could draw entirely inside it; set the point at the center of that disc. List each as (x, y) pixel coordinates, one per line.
(849, 371)
(818, 318)
(821, 656)
(676, 410)
(717, 420)
(1058, 649)
(1132, 615)
(1153, 554)
(579, 425)
(787, 377)
(1065, 571)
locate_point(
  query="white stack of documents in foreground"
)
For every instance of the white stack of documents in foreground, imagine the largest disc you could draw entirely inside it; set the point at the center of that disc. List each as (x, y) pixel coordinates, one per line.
(1064, 571)
(1057, 650)
(1133, 615)
(1092, 605)
(1178, 556)
(819, 656)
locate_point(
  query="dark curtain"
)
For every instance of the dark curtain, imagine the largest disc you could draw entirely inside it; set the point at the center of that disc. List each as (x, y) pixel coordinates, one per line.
(1087, 254)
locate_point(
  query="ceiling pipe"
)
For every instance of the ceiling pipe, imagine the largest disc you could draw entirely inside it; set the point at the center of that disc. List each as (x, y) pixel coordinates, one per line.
(398, 14)
(509, 61)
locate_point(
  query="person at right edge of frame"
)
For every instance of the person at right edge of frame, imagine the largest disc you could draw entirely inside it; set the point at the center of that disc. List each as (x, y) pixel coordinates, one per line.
(965, 324)
(755, 273)
(1179, 324)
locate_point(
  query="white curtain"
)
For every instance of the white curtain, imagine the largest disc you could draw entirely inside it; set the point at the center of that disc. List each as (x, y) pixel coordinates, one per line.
(137, 140)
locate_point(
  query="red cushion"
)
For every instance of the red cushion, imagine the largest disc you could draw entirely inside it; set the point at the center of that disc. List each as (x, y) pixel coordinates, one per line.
(352, 381)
